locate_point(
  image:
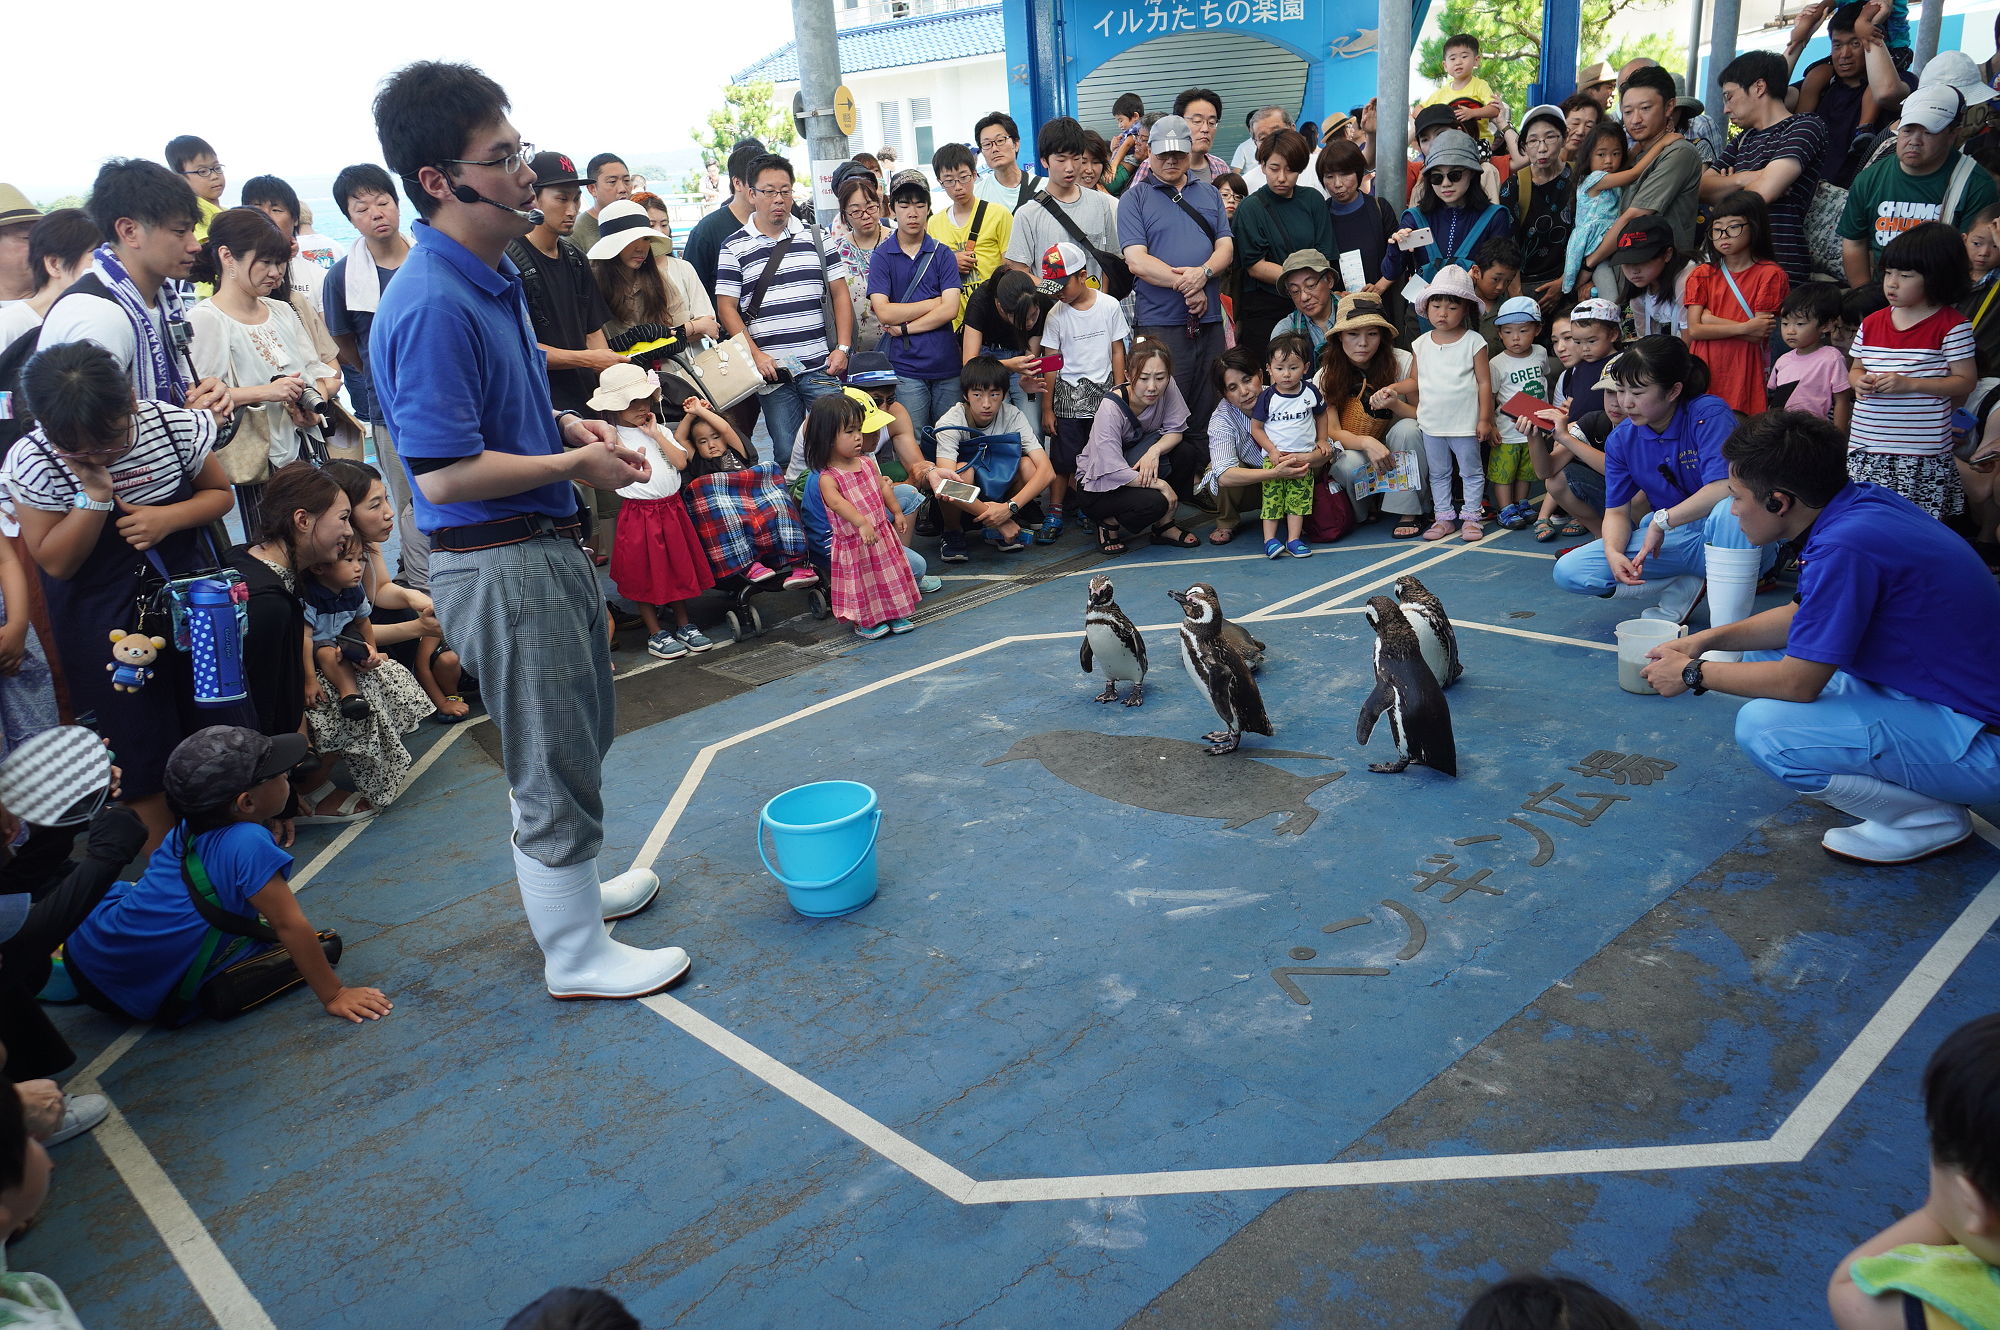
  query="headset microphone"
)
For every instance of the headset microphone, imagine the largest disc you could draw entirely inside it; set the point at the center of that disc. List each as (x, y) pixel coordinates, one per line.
(467, 194)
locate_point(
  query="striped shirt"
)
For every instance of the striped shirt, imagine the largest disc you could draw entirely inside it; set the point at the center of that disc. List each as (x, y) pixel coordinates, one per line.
(1915, 423)
(173, 442)
(790, 320)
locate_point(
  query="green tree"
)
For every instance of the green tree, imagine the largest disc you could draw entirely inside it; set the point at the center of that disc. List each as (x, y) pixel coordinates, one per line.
(1510, 41)
(66, 201)
(747, 113)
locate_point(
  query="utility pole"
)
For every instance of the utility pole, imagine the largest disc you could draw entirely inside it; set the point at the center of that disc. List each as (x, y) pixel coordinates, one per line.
(1393, 51)
(819, 75)
(1930, 22)
(1724, 17)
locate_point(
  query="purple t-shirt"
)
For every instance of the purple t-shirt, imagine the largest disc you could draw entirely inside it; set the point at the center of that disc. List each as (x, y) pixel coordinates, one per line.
(904, 280)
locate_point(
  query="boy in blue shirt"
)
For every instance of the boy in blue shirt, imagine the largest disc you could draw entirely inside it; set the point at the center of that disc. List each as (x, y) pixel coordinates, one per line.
(1876, 690)
(913, 286)
(225, 782)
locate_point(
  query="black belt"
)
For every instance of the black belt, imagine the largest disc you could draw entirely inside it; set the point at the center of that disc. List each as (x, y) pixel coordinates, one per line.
(501, 531)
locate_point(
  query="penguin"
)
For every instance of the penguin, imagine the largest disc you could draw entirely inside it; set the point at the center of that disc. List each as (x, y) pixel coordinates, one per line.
(1434, 631)
(1112, 646)
(1419, 718)
(1218, 670)
(1235, 634)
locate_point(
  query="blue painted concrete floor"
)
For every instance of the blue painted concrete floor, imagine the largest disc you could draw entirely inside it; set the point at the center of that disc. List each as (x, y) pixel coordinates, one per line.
(1599, 1004)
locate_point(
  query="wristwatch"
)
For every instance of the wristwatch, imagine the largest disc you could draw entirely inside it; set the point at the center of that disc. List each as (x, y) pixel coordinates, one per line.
(83, 502)
(844, 348)
(1691, 676)
(1663, 519)
(1206, 273)
(1013, 509)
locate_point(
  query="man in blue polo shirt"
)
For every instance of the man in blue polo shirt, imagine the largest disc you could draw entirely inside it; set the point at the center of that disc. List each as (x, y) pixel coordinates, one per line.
(465, 389)
(913, 287)
(1175, 237)
(1877, 689)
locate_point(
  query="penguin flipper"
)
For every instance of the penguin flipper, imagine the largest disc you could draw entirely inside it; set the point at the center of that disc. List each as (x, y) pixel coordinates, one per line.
(1139, 651)
(1371, 710)
(1083, 654)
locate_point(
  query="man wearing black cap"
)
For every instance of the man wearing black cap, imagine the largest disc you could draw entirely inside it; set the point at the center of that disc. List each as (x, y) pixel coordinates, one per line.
(564, 304)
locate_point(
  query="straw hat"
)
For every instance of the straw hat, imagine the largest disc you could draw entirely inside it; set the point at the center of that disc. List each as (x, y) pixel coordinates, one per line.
(621, 223)
(1357, 311)
(15, 208)
(1594, 74)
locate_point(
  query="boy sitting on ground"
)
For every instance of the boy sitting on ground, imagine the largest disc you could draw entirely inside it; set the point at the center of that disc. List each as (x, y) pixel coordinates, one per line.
(1936, 1268)
(983, 409)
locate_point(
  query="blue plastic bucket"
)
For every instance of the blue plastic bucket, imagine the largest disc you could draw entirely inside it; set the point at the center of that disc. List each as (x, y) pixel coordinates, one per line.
(824, 837)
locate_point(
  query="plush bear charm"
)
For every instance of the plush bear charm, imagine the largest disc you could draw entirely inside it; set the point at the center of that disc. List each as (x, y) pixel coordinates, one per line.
(132, 657)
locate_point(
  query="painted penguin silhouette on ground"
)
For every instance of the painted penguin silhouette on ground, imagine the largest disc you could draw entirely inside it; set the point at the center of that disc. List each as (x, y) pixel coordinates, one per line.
(1112, 646)
(1167, 776)
(1419, 718)
(1219, 670)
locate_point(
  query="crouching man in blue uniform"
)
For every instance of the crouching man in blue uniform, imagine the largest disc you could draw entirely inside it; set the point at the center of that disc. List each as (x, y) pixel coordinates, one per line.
(1877, 690)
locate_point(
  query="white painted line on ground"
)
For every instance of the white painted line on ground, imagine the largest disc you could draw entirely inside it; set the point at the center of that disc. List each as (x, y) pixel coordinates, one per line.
(1378, 1172)
(1519, 554)
(891, 1145)
(213, 1278)
(103, 1062)
(1277, 605)
(1405, 571)
(1533, 636)
(1830, 1096)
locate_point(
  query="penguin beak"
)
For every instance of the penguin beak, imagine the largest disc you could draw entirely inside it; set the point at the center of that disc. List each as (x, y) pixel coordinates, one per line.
(1180, 596)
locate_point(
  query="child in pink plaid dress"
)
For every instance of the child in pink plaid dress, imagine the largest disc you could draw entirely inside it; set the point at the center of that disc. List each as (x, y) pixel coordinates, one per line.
(872, 585)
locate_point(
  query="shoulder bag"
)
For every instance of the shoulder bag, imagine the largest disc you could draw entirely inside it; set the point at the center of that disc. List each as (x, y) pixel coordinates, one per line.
(1117, 274)
(241, 985)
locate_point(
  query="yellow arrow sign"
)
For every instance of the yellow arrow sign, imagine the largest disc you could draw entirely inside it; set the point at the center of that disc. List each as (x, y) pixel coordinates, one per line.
(845, 117)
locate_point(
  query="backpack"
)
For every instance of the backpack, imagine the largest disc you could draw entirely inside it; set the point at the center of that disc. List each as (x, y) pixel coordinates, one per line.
(15, 419)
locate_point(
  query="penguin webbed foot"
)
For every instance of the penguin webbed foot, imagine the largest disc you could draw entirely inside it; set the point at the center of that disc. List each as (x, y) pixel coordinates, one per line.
(1222, 741)
(1110, 693)
(1135, 698)
(1389, 768)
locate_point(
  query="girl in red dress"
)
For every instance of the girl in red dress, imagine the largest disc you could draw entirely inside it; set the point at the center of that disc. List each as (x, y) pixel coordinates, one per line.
(1733, 301)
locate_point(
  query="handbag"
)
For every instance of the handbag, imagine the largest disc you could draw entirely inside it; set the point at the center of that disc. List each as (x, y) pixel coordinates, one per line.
(1332, 515)
(1822, 234)
(724, 371)
(241, 985)
(994, 459)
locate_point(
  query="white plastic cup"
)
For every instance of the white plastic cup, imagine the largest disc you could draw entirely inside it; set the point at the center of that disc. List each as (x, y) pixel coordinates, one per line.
(1636, 638)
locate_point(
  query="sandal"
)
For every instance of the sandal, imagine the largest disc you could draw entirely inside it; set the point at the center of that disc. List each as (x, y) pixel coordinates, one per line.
(355, 707)
(1183, 541)
(1407, 529)
(1547, 529)
(1438, 530)
(347, 810)
(1110, 540)
(1222, 535)
(1572, 527)
(443, 717)
(1052, 527)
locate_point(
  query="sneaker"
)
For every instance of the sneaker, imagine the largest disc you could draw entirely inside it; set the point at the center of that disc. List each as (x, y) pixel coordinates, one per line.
(801, 576)
(989, 535)
(1298, 549)
(355, 707)
(1274, 548)
(953, 548)
(1052, 527)
(665, 646)
(1017, 541)
(693, 639)
(930, 585)
(872, 632)
(81, 1112)
(900, 626)
(757, 572)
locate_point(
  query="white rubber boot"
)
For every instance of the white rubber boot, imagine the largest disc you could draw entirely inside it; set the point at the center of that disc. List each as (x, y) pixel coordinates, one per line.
(1732, 589)
(579, 958)
(1899, 826)
(1677, 598)
(628, 893)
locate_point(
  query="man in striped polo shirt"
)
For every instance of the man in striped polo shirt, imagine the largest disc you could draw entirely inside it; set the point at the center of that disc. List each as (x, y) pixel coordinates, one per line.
(773, 281)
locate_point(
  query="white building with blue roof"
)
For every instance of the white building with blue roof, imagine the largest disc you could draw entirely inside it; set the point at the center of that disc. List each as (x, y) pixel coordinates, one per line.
(922, 72)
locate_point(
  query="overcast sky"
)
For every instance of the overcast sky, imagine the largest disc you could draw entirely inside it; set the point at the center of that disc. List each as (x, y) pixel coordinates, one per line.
(275, 93)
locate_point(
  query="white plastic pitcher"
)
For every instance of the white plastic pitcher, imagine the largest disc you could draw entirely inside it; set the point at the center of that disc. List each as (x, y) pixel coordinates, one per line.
(1637, 637)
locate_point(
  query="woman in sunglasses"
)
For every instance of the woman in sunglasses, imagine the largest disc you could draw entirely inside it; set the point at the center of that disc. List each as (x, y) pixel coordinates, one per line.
(1453, 204)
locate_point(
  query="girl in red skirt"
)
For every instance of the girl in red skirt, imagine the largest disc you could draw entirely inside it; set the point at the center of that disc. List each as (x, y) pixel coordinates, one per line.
(656, 558)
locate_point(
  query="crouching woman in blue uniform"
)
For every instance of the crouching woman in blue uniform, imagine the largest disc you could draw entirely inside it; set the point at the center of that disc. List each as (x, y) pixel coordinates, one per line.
(1877, 690)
